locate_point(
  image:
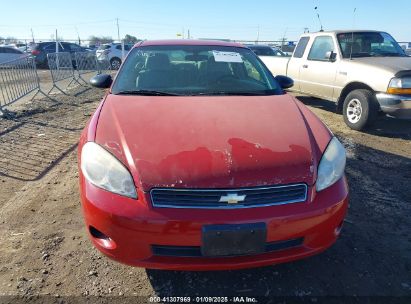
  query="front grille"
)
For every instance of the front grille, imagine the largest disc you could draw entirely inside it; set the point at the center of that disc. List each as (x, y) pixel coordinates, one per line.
(228, 198)
(195, 251)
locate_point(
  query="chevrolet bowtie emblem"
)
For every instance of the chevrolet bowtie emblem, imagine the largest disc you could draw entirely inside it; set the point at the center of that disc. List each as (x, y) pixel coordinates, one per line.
(232, 198)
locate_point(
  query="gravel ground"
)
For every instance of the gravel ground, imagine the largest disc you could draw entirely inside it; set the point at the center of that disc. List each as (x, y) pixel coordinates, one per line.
(45, 251)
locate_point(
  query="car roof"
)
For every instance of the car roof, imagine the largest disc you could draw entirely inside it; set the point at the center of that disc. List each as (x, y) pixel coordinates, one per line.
(189, 42)
(343, 32)
(260, 46)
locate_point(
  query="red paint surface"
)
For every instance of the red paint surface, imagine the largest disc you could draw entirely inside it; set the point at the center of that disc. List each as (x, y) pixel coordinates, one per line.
(210, 142)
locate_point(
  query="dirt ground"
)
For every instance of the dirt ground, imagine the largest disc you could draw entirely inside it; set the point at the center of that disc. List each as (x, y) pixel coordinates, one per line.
(44, 249)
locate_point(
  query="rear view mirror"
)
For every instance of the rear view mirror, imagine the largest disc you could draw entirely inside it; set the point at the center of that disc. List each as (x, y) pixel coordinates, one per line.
(101, 81)
(331, 56)
(284, 81)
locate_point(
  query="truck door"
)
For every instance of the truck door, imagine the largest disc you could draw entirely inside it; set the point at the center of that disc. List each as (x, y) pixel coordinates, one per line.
(294, 64)
(318, 72)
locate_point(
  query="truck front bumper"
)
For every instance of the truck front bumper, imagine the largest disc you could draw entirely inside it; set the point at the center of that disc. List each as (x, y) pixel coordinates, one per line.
(395, 105)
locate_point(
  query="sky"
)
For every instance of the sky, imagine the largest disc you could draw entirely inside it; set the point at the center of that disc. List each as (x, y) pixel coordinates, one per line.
(228, 19)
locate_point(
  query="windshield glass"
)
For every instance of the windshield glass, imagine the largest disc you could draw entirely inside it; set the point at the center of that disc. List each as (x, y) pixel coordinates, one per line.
(194, 70)
(263, 51)
(368, 44)
(104, 47)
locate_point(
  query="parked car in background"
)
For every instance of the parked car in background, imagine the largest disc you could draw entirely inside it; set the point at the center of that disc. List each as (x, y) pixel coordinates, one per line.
(9, 53)
(112, 53)
(40, 51)
(265, 50)
(197, 159)
(364, 72)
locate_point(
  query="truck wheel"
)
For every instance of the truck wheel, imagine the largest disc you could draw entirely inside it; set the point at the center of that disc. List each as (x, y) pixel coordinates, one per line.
(360, 109)
(115, 63)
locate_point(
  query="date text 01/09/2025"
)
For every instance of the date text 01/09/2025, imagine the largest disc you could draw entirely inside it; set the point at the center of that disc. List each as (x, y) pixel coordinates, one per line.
(199, 299)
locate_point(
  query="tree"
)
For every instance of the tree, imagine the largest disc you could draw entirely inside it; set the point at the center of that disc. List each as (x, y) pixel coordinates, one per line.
(100, 40)
(10, 40)
(131, 39)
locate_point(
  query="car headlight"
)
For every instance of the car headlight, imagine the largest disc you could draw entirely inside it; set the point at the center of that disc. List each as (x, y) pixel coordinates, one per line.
(105, 171)
(400, 86)
(332, 165)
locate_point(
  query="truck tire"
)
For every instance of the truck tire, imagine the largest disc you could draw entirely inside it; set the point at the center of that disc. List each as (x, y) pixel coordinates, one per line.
(360, 109)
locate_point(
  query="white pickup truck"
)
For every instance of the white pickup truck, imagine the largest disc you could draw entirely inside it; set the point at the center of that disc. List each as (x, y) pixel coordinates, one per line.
(364, 72)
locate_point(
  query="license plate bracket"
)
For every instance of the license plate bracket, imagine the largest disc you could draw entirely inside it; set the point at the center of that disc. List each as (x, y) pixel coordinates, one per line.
(233, 239)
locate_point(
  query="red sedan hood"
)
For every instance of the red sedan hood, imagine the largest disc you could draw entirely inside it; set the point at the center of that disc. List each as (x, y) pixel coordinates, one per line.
(208, 142)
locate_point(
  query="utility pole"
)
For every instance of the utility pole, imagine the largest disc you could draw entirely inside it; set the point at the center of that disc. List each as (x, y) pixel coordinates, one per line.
(188, 34)
(120, 41)
(118, 31)
(78, 35)
(32, 35)
(284, 38)
(354, 15)
(258, 34)
(57, 43)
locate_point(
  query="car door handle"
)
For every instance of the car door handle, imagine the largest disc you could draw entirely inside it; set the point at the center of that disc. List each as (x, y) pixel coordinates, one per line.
(305, 66)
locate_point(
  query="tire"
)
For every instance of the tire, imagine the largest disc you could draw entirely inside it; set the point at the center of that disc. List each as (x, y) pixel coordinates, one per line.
(360, 109)
(115, 63)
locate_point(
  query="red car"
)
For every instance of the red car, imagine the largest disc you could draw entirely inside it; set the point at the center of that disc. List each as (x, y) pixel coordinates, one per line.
(196, 159)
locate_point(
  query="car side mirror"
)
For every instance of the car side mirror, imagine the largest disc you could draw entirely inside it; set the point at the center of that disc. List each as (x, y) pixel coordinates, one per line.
(331, 56)
(284, 81)
(102, 81)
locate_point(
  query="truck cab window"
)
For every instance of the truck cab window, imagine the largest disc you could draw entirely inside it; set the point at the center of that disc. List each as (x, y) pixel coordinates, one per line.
(301, 46)
(321, 46)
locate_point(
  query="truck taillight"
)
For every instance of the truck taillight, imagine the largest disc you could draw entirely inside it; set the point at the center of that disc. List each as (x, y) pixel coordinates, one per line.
(35, 52)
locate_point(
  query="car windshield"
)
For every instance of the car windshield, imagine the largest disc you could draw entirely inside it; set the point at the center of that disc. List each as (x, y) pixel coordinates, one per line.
(263, 51)
(194, 70)
(104, 47)
(369, 44)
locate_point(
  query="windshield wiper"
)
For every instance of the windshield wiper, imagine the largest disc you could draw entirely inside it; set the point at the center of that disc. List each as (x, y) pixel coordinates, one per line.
(222, 93)
(145, 93)
(393, 55)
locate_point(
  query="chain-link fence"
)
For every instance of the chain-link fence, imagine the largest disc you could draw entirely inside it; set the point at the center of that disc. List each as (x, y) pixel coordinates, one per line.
(18, 78)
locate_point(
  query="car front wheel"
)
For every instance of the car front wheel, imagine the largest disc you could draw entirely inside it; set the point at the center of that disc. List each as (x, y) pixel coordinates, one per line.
(115, 63)
(360, 109)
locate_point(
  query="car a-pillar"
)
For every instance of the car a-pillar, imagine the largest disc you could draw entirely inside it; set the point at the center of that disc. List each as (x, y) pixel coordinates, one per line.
(358, 105)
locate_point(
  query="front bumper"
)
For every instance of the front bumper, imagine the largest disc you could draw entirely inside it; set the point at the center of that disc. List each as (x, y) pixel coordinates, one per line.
(134, 226)
(395, 105)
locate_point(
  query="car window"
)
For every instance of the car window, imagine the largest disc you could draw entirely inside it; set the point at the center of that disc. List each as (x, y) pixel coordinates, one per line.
(104, 47)
(301, 46)
(263, 51)
(14, 51)
(195, 70)
(118, 47)
(51, 48)
(321, 46)
(127, 47)
(65, 46)
(75, 48)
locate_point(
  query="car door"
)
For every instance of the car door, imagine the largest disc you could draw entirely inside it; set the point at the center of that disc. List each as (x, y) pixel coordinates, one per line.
(296, 61)
(4, 54)
(318, 73)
